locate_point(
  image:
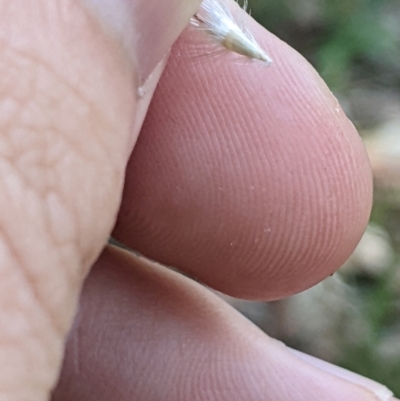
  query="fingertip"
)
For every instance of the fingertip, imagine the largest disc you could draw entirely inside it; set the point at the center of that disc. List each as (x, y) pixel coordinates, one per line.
(250, 179)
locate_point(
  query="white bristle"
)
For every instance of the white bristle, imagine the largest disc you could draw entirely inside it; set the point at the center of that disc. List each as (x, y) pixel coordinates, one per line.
(216, 20)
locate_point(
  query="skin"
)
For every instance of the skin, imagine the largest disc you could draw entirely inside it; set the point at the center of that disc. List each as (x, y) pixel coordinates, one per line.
(253, 182)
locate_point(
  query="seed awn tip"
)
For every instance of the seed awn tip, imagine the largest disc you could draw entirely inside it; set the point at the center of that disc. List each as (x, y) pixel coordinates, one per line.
(216, 20)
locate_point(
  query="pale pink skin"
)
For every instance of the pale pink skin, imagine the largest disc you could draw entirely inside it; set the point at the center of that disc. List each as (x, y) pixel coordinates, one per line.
(215, 166)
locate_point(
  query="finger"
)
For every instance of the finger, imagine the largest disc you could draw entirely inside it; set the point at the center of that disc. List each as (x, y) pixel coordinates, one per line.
(251, 179)
(68, 102)
(146, 333)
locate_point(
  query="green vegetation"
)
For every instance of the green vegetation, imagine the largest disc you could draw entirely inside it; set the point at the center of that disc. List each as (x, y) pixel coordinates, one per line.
(345, 40)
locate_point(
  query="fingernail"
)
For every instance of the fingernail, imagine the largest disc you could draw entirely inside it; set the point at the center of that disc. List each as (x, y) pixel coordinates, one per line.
(147, 28)
(380, 391)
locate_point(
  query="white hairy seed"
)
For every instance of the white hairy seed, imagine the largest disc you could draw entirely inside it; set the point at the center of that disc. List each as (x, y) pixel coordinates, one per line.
(216, 20)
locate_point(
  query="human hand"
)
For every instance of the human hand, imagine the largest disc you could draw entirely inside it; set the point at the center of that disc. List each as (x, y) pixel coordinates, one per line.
(248, 178)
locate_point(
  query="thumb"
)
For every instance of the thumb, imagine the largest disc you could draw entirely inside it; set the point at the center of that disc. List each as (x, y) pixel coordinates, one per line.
(69, 116)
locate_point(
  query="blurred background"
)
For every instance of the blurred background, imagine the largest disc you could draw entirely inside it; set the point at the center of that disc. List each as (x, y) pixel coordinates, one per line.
(353, 318)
